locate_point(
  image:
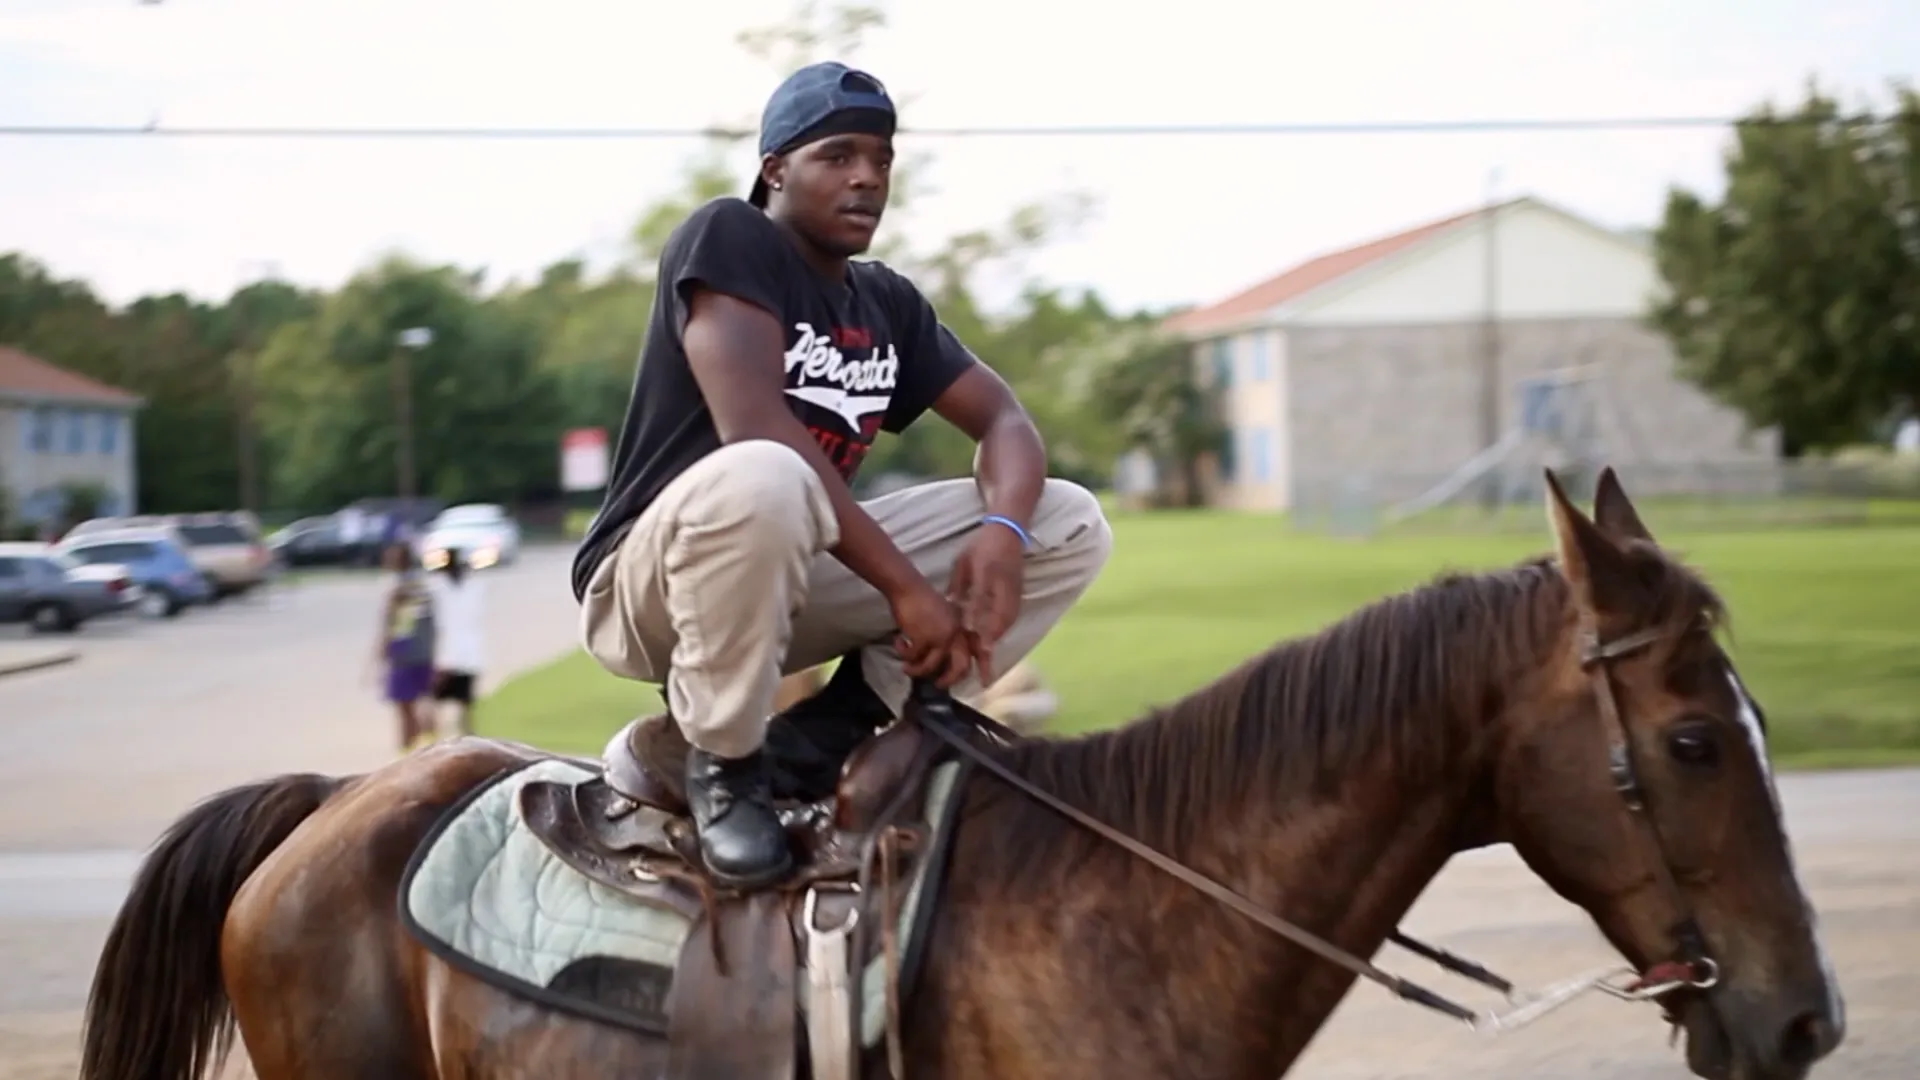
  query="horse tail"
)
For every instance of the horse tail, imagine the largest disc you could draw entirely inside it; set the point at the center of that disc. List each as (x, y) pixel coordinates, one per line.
(158, 1009)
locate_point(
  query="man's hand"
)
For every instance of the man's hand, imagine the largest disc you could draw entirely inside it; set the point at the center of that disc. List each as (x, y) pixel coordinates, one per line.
(1011, 469)
(931, 641)
(986, 586)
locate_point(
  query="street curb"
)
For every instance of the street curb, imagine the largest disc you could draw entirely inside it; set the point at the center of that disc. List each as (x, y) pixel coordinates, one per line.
(53, 659)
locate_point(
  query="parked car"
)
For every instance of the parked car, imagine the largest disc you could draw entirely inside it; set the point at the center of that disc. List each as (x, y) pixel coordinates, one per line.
(53, 592)
(156, 562)
(483, 532)
(313, 541)
(377, 522)
(225, 546)
(114, 524)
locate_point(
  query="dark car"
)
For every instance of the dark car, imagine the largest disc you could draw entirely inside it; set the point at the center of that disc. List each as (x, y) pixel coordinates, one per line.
(376, 522)
(158, 565)
(314, 541)
(53, 593)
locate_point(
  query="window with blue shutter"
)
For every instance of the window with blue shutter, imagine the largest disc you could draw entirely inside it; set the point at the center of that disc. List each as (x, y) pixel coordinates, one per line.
(1223, 362)
(1262, 455)
(40, 431)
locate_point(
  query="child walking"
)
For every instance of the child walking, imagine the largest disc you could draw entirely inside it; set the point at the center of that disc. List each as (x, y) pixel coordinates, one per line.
(406, 646)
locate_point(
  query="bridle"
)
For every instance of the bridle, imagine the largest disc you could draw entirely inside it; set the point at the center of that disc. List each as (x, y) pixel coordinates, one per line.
(1691, 968)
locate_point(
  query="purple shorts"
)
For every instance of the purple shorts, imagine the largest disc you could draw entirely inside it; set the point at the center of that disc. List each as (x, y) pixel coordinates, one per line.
(409, 682)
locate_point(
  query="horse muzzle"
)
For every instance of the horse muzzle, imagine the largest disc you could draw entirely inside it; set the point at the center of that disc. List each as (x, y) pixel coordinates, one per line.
(1732, 1035)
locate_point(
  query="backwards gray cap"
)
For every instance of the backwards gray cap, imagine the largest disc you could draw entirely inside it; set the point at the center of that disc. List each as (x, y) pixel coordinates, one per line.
(827, 98)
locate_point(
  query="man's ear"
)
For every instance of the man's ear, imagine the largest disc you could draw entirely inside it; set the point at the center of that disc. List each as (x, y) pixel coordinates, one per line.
(1614, 512)
(1590, 561)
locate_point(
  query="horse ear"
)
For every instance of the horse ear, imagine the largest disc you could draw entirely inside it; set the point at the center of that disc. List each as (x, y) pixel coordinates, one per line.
(1614, 512)
(1588, 559)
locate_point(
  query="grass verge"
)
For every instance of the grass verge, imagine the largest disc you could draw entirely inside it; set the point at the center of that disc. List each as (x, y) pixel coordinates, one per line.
(1825, 628)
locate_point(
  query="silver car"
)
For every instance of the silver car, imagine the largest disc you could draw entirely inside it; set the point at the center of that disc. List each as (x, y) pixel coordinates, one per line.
(225, 546)
(53, 592)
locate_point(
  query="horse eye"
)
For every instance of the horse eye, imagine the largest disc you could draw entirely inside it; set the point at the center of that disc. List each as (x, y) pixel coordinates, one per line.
(1694, 745)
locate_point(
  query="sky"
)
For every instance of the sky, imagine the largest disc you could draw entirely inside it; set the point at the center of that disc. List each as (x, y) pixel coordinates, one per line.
(1177, 219)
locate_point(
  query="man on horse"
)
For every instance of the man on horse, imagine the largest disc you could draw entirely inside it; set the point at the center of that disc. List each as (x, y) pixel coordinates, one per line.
(730, 549)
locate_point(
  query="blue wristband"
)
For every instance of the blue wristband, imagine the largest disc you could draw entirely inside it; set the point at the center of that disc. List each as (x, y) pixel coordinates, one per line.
(1025, 540)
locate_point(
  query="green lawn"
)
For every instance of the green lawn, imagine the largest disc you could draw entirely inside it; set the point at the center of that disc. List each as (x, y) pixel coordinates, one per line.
(1826, 626)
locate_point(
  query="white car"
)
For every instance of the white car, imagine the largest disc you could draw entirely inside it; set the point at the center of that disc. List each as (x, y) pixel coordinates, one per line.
(483, 533)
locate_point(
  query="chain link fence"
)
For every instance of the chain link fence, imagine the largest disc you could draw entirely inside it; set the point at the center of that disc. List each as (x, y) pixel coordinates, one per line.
(1694, 496)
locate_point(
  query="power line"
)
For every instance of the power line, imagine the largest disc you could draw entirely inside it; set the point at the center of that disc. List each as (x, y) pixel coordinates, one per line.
(1384, 127)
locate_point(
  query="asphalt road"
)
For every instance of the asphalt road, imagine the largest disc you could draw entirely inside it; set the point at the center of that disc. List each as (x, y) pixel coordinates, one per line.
(101, 754)
(104, 752)
(1857, 842)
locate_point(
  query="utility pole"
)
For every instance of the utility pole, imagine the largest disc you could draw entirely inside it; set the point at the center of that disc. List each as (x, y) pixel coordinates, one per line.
(246, 442)
(241, 370)
(1490, 339)
(410, 339)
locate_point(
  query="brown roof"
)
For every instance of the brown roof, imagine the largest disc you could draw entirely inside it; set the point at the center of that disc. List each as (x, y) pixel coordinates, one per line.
(1304, 278)
(30, 376)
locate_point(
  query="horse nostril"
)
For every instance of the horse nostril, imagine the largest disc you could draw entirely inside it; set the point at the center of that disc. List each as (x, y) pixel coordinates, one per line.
(1807, 1038)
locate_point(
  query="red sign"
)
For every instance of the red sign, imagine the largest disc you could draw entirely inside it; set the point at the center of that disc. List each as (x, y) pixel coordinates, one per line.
(583, 459)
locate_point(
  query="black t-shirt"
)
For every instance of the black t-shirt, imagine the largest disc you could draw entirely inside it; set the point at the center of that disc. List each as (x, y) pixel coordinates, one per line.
(864, 355)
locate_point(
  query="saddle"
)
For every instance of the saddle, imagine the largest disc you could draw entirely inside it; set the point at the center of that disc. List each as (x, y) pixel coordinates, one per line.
(737, 1006)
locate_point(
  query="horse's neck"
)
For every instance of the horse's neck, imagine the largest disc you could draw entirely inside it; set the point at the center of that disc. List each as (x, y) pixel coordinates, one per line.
(1347, 869)
(1227, 997)
(1037, 907)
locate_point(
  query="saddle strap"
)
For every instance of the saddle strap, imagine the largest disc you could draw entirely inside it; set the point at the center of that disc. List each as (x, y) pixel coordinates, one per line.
(736, 1022)
(830, 994)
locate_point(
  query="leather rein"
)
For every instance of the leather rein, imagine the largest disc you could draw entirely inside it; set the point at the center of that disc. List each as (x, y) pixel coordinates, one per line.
(1691, 968)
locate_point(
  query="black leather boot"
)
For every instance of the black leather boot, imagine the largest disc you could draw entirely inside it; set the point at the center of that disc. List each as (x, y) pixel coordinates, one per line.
(809, 741)
(741, 839)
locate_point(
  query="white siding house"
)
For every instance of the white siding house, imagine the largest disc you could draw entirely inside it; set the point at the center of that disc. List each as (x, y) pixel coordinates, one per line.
(58, 427)
(1372, 360)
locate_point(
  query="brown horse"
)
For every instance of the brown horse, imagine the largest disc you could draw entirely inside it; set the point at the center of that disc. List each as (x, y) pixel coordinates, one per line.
(1327, 781)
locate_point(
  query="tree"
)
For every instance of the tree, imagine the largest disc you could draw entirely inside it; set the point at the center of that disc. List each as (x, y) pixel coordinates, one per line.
(1796, 298)
(184, 357)
(81, 500)
(1144, 384)
(283, 398)
(240, 330)
(185, 451)
(486, 417)
(60, 321)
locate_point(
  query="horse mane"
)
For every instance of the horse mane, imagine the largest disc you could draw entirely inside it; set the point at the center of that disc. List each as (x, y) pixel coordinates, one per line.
(1398, 684)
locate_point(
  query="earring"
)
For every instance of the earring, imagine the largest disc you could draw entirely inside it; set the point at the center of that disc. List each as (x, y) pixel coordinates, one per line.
(776, 185)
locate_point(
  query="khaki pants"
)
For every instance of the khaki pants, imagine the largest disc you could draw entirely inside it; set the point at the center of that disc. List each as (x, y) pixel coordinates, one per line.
(724, 585)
